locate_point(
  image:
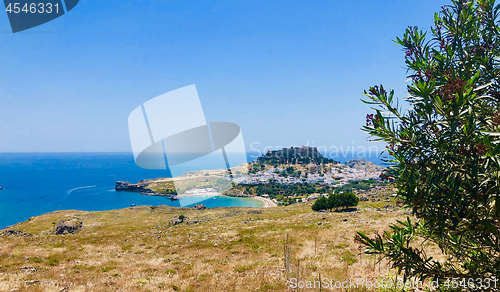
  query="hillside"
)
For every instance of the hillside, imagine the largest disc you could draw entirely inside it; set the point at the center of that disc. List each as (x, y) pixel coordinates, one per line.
(220, 249)
(364, 165)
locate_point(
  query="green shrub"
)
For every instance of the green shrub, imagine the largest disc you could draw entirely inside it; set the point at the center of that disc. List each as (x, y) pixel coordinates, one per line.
(127, 247)
(242, 269)
(35, 260)
(53, 262)
(336, 201)
(107, 269)
(320, 204)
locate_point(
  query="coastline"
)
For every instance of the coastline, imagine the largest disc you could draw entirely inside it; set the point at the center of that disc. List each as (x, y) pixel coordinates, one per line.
(267, 203)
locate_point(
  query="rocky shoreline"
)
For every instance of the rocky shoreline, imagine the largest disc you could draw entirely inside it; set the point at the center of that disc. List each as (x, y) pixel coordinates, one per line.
(140, 187)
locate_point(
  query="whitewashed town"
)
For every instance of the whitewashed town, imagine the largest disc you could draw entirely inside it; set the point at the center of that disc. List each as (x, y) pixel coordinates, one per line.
(338, 175)
(297, 165)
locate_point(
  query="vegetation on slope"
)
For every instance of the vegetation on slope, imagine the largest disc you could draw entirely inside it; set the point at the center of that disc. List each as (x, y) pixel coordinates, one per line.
(335, 202)
(220, 249)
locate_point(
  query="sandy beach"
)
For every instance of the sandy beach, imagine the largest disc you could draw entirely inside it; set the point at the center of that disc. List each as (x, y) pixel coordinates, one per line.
(267, 202)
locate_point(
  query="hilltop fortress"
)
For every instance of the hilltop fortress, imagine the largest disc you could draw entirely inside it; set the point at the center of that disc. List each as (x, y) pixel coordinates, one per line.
(294, 155)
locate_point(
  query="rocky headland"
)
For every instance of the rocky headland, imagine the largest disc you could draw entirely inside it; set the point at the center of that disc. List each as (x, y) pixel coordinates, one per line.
(139, 187)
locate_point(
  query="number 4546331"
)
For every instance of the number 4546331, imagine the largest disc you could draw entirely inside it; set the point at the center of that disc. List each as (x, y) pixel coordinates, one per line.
(33, 8)
(483, 283)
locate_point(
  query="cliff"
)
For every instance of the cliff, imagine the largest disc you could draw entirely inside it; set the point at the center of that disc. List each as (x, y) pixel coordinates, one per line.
(139, 187)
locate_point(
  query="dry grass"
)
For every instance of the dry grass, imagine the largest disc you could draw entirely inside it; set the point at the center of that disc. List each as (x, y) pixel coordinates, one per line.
(229, 249)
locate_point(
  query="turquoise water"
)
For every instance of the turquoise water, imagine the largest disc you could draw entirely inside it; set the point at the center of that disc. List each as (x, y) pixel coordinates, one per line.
(37, 183)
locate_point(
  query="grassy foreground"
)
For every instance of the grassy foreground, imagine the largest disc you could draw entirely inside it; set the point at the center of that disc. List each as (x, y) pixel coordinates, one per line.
(219, 249)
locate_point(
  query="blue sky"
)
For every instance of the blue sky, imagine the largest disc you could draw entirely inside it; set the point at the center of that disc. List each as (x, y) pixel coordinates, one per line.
(288, 72)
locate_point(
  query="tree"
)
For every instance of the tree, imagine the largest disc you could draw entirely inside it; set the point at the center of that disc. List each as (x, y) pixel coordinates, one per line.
(343, 200)
(348, 200)
(334, 201)
(320, 204)
(445, 148)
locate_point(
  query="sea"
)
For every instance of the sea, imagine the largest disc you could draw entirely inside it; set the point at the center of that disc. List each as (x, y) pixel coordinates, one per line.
(38, 183)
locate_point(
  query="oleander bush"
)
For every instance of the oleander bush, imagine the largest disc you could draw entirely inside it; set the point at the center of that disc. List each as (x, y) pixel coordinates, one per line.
(445, 148)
